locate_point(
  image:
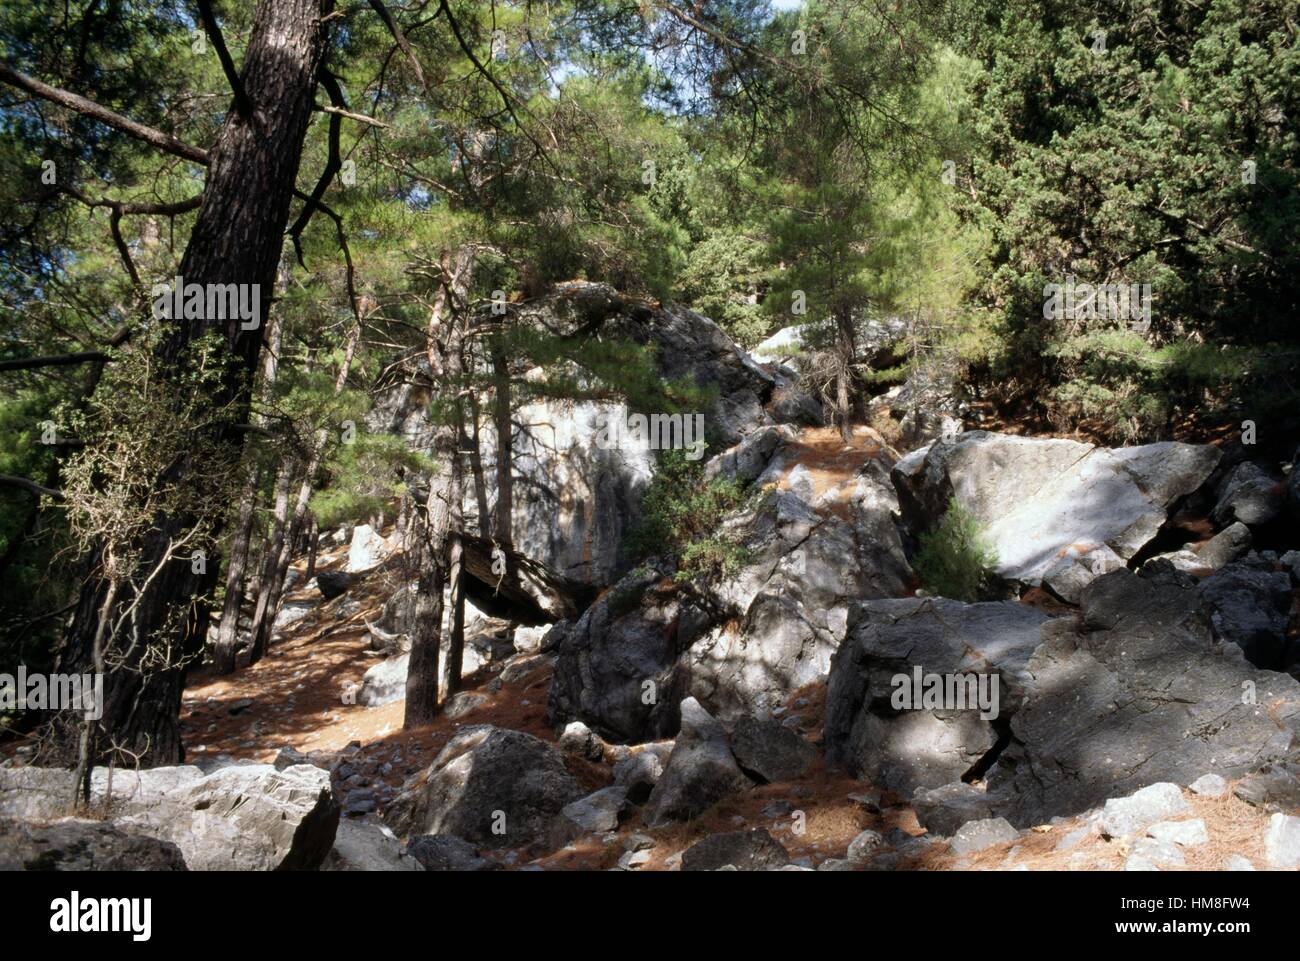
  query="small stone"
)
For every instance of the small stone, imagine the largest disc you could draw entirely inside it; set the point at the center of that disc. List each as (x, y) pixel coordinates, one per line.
(1158, 802)
(1209, 785)
(1189, 834)
(1164, 853)
(1076, 837)
(977, 835)
(865, 846)
(1237, 862)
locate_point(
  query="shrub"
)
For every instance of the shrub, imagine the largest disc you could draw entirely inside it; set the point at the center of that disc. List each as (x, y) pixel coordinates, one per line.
(680, 516)
(954, 560)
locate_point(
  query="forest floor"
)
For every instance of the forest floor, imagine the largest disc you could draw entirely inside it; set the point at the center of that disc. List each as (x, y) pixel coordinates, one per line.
(296, 698)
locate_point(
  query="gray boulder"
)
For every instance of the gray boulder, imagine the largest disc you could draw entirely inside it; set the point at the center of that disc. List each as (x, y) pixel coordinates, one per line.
(385, 682)
(597, 813)
(1230, 544)
(445, 852)
(1141, 809)
(73, 844)
(769, 750)
(1132, 692)
(745, 850)
(1250, 605)
(366, 846)
(700, 772)
(975, 836)
(1056, 512)
(245, 817)
(1252, 494)
(490, 786)
(919, 747)
(1282, 842)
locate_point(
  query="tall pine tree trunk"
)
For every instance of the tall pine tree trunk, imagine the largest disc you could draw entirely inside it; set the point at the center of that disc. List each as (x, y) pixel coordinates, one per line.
(236, 239)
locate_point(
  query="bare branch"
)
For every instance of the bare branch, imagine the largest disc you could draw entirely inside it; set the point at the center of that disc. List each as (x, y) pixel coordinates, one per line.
(30, 486)
(88, 108)
(243, 104)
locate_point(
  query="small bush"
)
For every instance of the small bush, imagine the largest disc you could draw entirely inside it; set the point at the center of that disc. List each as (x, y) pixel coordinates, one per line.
(680, 515)
(954, 560)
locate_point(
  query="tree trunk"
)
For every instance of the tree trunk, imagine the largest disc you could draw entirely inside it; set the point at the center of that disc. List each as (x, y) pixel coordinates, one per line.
(443, 349)
(501, 521)
(241, 541)
(265, 612)
(845, 350)
(236, 239)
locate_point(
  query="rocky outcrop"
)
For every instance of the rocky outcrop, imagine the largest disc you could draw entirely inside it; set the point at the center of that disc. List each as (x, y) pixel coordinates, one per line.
(73, 844)
(768, 751)
(916, 744)
(246, 817)
(1056, 512)
(490, 786)
(366, 846)
(573, 500)
(1134, 691)
(739, 645)
(1250, 606)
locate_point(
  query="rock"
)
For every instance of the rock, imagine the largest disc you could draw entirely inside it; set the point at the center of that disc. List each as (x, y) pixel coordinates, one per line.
(1138, 863)
(1188, 834)
(1251, 494)
(743, 644)
(367, 550)
(1230, 544)
(639, 773)
(1250, 606)
(73, 844)
(596, 813)
(770, 751)
(864, 847)
(631, 860)
(289, 757)
(462, 703)
(246, 817)
(490, 786)
(1236, 862)
(365, 846)
(906, 749)
(745, 850)
(528, 639)
(944, 809)
(577, 738)
(359, 801)
(1157, 802)
(1275, 787)
(332, 584)
(1282, 842)
(1076, 837)
(621, 644)
(1055, 512)
(1159, 853)
(445, 852)
(977, 835)
(385, 682)
(1131, 692)
(700, 772)
(1209, 785)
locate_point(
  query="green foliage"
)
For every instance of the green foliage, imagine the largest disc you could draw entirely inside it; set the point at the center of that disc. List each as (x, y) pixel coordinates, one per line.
(365, 478)
(1132, 165)
(953, 559)
(680, 516)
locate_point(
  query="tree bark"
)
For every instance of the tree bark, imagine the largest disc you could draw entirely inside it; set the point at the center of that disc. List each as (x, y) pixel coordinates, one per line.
(845, 350)
(236, 239)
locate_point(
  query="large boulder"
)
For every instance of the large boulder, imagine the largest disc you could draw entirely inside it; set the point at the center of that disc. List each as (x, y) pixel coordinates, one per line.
(73, 844)
(1056, 512)
(367, 549)
(1252, 493)
(700, 772)
(741, 644)
(769, 751)
(1250, 605)
(906, 745)
(245, 817)
(1133, 691)
(366, 846)
(753, 850)
(491, 786)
